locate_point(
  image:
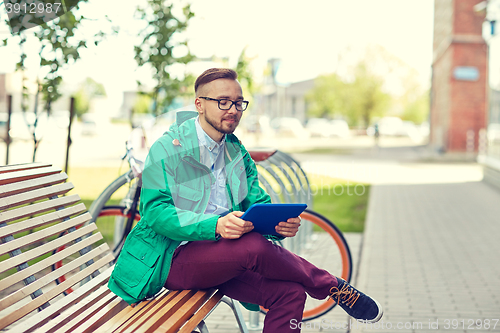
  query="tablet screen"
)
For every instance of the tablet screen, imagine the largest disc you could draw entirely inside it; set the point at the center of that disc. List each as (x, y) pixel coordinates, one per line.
(265, 217)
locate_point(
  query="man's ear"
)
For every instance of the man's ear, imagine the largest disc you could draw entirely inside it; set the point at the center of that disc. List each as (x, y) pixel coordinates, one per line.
(199, 107)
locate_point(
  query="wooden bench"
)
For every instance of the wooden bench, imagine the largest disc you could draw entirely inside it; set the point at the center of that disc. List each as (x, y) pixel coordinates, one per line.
(34, 210)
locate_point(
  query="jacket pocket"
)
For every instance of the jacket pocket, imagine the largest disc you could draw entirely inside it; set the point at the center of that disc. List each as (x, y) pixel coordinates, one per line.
(188, 198)
(135, 266)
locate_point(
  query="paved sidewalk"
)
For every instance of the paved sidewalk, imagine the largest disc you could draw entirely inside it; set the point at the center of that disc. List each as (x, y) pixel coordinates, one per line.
(431, 257)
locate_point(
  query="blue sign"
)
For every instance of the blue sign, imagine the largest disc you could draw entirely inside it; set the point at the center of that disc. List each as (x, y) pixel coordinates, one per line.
(466, 73)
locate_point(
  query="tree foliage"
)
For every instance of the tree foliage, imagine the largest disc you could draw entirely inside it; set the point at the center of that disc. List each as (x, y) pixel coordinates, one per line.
(367, 98)
(378, 84)
(88, 90)
(359, 100)
(54, 45)
(417, 108)
(246, 76)
(142, 104)
(159, 40)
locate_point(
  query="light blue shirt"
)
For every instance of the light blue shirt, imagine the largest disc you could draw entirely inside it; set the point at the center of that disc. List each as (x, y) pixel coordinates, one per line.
(212, 155)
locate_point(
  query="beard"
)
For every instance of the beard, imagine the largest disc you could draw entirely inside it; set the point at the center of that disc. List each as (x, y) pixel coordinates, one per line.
(221, 126)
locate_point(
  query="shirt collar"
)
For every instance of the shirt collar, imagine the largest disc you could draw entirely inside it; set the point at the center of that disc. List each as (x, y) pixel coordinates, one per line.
(205, 139)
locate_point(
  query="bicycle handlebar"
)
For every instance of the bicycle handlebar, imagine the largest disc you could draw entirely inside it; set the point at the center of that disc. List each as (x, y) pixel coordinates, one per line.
(136, 165)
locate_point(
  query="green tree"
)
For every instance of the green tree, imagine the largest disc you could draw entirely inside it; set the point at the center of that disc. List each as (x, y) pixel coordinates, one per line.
(56, 45)
(359, 100)
(415, 100)
(160, 38)
(245, 76)
(417, 108)
(143, 104)
(367, 98)
(88, 90)
(328, 98)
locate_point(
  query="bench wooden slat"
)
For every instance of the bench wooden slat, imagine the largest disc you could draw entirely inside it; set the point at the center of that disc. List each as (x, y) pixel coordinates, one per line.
(106, 296)
(177, 319)
(39, 266)
(104, 315)
(130, 315)
(42, 220)
(32, 184)
(65, 317)
(166, 305)
(40, 207)
(123, 317)
(25, 174)
(95, 315)
(44, 233)
(110, 310)
(24, 166)
(35, 195)
(45, 297)
(47, 247)
(201, 314)
(60, 308)
(47, 278)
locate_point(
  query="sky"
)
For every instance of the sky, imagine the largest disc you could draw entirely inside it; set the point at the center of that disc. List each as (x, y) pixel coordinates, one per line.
(306, 36)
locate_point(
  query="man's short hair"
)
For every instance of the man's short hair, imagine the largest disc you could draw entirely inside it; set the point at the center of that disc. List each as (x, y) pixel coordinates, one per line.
(213, 74)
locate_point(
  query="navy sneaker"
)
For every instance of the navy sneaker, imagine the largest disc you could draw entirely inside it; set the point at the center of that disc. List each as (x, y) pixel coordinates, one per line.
(355, 303)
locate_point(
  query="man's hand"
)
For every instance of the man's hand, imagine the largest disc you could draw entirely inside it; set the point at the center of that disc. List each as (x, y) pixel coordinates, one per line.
(232, 227)
(289, 228)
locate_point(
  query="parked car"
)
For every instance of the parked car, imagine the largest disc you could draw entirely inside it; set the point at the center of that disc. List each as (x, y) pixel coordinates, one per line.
(340, 128)
(320, 127)
(287, 126)
(493, 133)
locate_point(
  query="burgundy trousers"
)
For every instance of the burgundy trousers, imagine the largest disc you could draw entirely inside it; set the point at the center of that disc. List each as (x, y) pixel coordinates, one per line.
(254, 270)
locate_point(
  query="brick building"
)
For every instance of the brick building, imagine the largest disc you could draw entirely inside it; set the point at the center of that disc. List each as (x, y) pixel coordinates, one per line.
(460, 76)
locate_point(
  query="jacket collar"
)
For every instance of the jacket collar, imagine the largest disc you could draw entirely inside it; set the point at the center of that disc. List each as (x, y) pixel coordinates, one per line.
(184, 131)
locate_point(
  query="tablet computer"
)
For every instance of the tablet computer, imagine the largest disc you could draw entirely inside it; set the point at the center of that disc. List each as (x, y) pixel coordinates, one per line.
(265, 217)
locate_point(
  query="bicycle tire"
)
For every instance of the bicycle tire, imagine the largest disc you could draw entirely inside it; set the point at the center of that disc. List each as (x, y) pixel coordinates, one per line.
(338, 249)
(106, 212)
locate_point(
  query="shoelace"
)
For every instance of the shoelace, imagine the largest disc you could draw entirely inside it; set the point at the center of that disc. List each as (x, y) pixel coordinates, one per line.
(346, 295)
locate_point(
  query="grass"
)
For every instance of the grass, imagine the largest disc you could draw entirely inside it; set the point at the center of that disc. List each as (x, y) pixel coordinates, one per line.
(90, 182)
(342, 202)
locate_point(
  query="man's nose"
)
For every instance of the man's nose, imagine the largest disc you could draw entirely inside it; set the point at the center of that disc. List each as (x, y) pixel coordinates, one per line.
(232, 109)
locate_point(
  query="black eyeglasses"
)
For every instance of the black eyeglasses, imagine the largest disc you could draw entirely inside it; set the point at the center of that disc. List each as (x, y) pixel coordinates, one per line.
(226, 104)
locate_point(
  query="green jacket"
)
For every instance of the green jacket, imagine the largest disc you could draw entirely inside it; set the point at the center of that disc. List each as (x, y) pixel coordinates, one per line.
(175, 192)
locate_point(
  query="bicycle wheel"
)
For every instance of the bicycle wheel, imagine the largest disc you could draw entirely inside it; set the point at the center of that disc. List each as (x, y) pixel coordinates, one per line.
(107, 220)
(324, 247)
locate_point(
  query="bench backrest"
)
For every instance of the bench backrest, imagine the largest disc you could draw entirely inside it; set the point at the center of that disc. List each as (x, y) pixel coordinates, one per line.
(35, 209)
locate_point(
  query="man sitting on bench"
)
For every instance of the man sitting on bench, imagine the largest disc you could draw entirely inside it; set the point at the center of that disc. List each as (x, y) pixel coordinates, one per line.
(198, 180)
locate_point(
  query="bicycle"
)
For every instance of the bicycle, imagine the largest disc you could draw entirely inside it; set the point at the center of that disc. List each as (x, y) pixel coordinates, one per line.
(318, 240)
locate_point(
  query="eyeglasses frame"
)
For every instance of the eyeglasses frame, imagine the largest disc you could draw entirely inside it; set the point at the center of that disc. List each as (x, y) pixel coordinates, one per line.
(226, 99)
